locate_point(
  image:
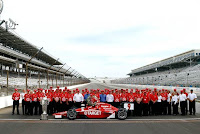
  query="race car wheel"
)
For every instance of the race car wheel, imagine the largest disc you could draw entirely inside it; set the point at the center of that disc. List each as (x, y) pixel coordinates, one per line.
(122, 114)
(71, 114)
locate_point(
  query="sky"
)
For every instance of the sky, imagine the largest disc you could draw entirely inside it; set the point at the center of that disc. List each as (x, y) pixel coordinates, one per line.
(107, 38)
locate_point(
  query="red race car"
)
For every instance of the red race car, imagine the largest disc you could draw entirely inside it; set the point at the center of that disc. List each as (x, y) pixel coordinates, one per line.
(100, 110)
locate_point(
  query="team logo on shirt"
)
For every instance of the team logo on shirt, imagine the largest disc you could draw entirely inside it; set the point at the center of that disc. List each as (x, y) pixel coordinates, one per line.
(49, 99)
(92, 113)
(124, 99)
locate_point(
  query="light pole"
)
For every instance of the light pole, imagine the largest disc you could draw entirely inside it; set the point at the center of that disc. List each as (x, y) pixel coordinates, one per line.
(48, 73)
(57, 73)
(7, 69)
(64, 75)
(74, 76)
(27, 66)
(70, 74)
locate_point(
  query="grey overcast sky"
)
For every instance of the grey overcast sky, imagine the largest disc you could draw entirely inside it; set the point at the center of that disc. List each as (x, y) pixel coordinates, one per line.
(108, 37)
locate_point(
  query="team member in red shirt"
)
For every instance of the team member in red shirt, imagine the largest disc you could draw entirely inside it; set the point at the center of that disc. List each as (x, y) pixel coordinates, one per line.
(15, 97)
(49, 96)
(112, 91)
(74, 92)
(124, 96)
(83, 92)
(97, 95)
(27, 99)
(34, 98)
(145, 104)
(86, 90)
(155, 90)
(164, 101)
(56, 98)
(131, 97)
(153, 99)
(63, 100)
(70, 100)
(138, 105)
(116, 99)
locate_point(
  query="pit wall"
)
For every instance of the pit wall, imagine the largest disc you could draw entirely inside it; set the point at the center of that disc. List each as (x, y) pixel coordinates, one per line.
(6, 101)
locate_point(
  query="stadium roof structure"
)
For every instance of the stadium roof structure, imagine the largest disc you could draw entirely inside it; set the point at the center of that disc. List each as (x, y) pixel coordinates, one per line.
(15, 42)
(15, 50)
(177, 60)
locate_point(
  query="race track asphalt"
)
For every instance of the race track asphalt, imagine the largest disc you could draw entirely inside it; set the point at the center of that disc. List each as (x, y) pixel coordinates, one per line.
(21, 124)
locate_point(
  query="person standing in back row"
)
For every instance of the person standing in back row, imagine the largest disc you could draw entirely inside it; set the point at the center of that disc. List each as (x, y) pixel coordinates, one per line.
(78, 98)
(27, 99)
(15, 97)
(102, 96)
(182, 98)
(191, 97)
(175, 102)
(110, 98)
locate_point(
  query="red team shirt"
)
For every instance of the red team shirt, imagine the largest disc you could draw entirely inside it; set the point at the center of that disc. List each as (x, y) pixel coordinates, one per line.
(164, 96)
(56, 96)
(186, 94)
(40, 96)
(27, 97)
(124, 97)
(63, 97)
(131, 98)
(34, 97)
(154, 97)
(145, 99)
(116, 97)
(50, 97)
(139, 96)
(16, 96)
(70, 97)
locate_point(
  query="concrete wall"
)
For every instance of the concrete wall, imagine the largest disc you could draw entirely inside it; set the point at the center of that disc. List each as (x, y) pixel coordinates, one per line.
(6, 101)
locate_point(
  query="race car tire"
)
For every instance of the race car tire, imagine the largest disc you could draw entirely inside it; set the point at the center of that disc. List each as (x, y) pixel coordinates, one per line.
(122, 114)
(71, 114)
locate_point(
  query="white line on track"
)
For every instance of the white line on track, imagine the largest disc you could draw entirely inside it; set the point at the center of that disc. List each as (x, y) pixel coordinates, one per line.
(103, 119)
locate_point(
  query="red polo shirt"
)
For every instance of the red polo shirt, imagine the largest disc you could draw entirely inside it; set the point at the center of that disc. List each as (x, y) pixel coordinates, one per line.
(27, 97)
(116, 97)
(16, 96)
(34, 97)
(131, 98)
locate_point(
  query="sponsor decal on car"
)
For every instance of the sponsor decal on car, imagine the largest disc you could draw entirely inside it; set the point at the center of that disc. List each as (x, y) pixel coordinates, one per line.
(92, 113)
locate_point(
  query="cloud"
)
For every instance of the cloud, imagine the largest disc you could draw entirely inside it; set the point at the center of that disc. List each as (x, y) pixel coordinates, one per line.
(108, 38)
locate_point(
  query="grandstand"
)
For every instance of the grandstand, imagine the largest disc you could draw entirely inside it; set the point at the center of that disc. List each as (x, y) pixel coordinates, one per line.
(179, 70)
(43, 70)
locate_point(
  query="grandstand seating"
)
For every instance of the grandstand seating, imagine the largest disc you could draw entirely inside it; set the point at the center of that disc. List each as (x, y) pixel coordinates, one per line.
(186, 76)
